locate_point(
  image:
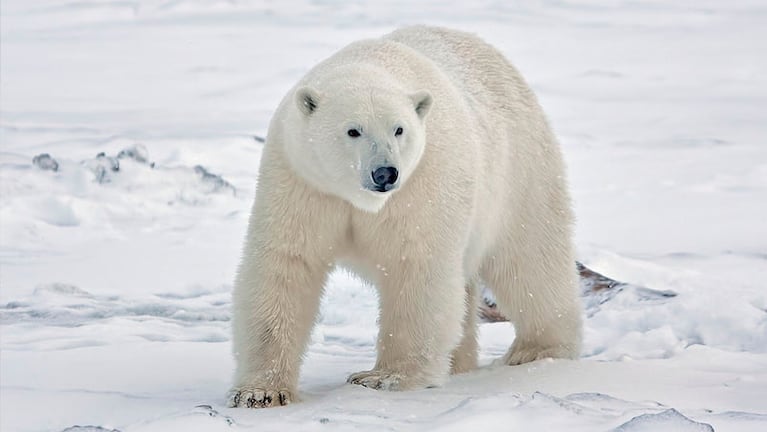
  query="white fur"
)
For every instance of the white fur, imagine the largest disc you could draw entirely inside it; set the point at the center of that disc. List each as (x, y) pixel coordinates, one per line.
(481, 196)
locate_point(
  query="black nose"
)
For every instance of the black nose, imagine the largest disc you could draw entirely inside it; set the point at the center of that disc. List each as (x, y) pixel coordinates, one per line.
(385, 176)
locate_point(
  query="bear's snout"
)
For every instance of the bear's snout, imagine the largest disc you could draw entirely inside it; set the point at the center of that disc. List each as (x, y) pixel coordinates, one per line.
(384, 178)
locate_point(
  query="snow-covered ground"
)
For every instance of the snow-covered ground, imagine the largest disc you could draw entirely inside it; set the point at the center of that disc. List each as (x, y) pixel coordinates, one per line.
(115, 285)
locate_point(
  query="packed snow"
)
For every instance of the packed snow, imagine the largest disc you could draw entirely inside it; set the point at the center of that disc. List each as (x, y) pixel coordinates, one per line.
(131, 133)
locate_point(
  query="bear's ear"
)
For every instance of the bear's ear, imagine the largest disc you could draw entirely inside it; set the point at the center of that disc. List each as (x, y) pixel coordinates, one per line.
(422, 102)
(307, 99)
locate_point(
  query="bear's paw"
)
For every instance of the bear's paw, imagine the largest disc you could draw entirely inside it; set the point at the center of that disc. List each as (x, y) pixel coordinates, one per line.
(378, 380)
(251, 397)
(525, 353)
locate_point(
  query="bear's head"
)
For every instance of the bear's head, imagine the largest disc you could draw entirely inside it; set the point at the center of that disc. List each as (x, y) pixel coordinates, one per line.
(357, 142)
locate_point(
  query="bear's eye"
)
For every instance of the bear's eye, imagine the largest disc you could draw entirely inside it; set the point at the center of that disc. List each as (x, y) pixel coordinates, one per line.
(354, 133)
(398, 132)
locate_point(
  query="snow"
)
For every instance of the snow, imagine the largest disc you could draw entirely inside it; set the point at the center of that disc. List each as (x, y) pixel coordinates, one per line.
(115, 294)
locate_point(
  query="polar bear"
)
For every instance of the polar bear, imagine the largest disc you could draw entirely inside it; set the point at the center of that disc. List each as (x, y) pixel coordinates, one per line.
(422, 162)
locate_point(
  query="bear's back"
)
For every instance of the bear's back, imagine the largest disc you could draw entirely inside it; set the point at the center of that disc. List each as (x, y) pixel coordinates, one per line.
(475, 67)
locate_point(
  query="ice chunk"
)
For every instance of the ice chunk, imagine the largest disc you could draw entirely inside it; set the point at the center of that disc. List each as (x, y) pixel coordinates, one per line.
(103, 166)
(669, 420)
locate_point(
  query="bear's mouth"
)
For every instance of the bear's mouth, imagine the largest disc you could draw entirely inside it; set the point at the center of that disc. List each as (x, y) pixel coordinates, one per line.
(382, 189)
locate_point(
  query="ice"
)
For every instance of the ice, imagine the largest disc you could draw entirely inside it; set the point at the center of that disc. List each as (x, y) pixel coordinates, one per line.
(670, 420)
(115, 284)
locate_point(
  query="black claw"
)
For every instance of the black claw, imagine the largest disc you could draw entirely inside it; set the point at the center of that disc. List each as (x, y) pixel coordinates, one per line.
(237, 399)
(267, 401)
(282, 398)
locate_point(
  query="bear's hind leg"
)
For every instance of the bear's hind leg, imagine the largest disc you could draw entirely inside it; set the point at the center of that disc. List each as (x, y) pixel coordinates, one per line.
(536, 289)
(464, 356)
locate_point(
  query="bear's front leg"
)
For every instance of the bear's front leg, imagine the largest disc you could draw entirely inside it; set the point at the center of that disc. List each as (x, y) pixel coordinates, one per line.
(422, 305)
(276, 300)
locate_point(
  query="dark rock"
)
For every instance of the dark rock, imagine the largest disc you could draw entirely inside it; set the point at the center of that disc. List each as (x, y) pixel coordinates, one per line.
(137, 152)
(44, 161)
(214, 181)
(596, 289)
